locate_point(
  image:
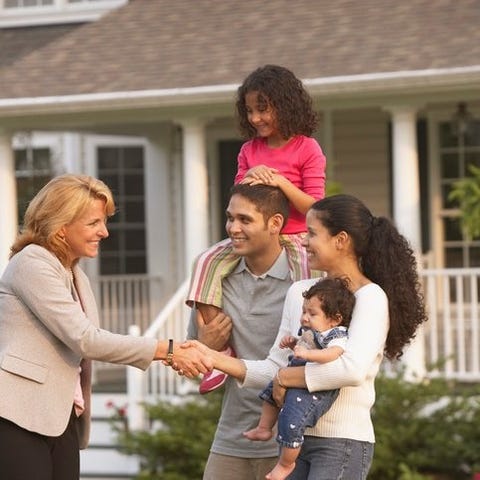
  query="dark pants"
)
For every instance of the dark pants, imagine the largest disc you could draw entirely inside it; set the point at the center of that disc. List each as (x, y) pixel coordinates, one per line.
(28, 455)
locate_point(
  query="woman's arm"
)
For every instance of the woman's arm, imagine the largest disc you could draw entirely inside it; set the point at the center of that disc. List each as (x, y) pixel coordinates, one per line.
(257, 373)
(367, 335)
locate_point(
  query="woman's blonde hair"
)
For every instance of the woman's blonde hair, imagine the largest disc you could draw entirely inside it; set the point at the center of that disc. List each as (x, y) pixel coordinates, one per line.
(60, 202)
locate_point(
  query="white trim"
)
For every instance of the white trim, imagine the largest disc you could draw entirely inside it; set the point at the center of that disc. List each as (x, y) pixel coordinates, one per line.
(423, 80)
(58, 13)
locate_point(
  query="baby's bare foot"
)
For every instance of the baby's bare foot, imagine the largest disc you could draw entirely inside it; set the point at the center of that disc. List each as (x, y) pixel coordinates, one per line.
(258, 433)
(280, 472)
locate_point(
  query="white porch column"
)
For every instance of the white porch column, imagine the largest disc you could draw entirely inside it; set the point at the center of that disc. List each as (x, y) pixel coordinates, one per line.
(406, 209)
(8, 198)
(195, 189)
(406, 183)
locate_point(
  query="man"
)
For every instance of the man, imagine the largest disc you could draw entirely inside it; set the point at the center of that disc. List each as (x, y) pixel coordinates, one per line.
(253, 296)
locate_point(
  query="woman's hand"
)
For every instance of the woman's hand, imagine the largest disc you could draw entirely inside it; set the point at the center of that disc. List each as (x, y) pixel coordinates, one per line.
(191, 361)
(235, 367)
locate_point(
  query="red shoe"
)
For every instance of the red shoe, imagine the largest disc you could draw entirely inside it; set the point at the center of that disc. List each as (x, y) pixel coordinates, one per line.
(215, 379)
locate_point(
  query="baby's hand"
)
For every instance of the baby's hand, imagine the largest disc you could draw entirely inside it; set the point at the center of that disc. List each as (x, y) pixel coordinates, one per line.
(288, 341)
(261, 174)
(300, 352)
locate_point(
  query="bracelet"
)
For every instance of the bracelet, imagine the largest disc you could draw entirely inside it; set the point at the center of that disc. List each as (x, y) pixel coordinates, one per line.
(280, 384)
(170, 352)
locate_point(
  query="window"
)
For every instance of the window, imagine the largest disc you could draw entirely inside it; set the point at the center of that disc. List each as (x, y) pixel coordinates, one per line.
(122, 169)
(16, 13)
(43, 3)
(33, 169)
(26, 3)
(457, 152)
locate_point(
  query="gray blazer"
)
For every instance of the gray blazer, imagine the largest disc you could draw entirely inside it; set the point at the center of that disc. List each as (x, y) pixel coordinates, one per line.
(45, 335)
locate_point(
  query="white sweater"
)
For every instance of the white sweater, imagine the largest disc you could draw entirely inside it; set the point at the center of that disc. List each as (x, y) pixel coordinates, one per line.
(353, 372)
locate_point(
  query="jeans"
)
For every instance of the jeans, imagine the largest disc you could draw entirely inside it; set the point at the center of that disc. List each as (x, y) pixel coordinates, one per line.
(301, 409)
(333, 459)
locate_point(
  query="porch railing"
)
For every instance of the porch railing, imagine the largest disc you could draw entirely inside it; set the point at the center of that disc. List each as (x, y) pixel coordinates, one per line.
(452, 334)
(125, 300)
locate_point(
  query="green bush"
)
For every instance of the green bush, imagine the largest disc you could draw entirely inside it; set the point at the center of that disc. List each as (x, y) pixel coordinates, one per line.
(176, 445)
(425, 430)
(429, 428)
(466, 192)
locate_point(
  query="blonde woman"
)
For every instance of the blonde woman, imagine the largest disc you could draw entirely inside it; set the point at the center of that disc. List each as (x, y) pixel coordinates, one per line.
(49, 333)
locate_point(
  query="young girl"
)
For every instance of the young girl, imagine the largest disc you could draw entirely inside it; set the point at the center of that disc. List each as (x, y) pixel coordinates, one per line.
(275, 112)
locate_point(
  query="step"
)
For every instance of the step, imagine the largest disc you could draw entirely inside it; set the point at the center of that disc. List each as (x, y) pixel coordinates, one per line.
(101, 460)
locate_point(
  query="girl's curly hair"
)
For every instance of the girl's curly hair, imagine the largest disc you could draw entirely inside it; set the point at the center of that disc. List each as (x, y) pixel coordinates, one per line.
(279, 88)
(386, 258)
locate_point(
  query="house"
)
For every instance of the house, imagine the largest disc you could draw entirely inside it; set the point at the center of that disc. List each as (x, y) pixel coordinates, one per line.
(141, 94)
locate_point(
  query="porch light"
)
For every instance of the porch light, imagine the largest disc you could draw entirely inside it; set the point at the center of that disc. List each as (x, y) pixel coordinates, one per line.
(461, 120)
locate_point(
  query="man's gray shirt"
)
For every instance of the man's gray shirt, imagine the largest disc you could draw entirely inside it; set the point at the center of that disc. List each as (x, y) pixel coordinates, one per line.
(255, 306)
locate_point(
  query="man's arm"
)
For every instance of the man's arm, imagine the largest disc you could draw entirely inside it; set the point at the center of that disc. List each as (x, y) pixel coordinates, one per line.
(215, 334)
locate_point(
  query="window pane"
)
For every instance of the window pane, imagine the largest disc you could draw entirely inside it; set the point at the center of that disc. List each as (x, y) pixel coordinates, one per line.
(472, 159)
(472, 137)
(108, 158)
(21, 160)
(447, 135)
(41, 159)
(111, 181)
(454, 257)
(474, 257)
(135, 240)
(133, 157)
(112, 243)
(452, 229)
(29, 179)
(134, 184)
(446, 203)
(450, 165)
(109, 265)
(134, 211)
(136, 264)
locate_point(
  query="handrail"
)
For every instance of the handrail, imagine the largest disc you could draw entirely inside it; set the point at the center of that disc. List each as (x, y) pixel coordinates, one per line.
(171, 305)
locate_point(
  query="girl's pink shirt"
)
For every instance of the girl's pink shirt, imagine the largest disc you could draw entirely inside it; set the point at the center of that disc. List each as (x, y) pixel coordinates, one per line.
(301, 161)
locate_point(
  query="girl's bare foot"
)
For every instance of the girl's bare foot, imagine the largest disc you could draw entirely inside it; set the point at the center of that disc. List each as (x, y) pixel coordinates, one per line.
(258, 433)
(280, 472)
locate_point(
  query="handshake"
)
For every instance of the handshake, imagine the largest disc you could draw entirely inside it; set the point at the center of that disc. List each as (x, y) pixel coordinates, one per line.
(190, 358)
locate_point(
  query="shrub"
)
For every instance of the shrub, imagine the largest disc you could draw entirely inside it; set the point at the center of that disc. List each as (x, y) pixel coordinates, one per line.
(176, 445)
(430, 427)
(425, 430)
